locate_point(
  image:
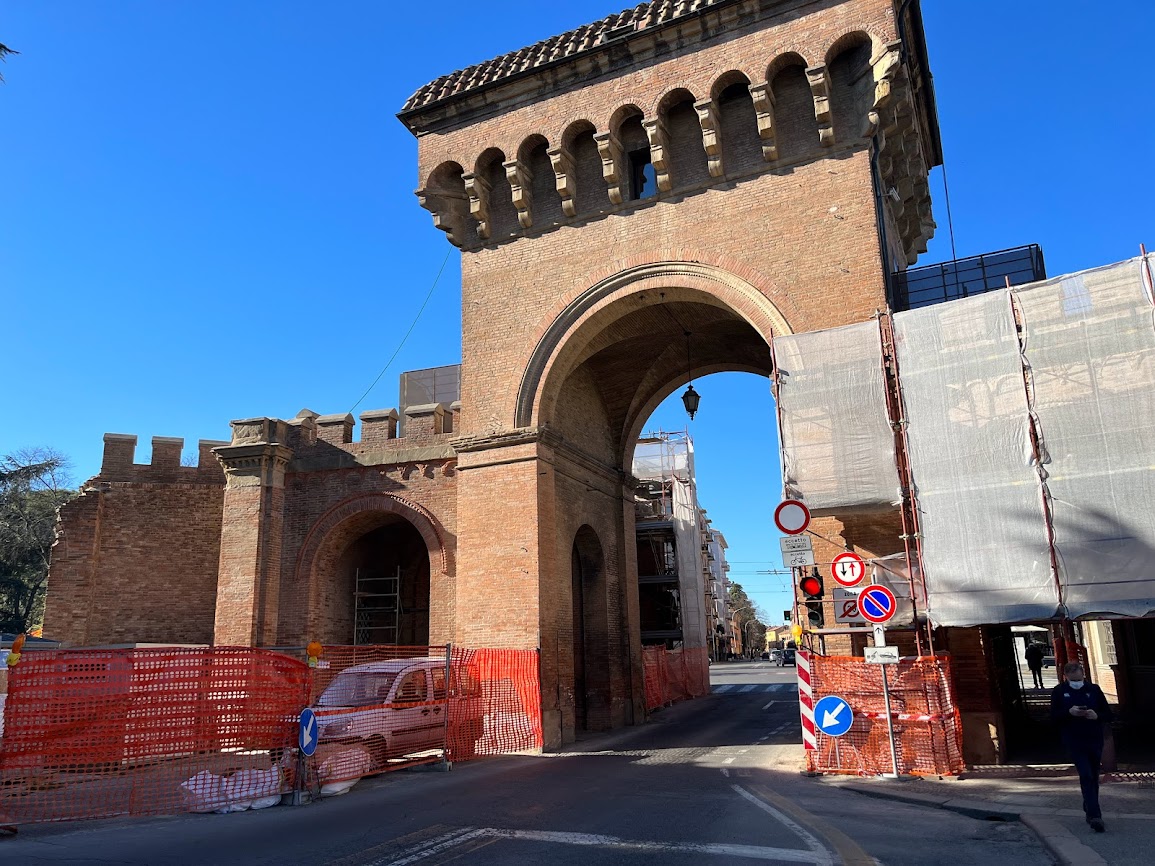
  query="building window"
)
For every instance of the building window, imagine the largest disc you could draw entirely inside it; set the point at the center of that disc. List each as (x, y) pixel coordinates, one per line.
(643, 178)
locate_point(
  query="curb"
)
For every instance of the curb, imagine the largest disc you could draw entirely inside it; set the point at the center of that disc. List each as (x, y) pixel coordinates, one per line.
(1061, 842)
(1056, 838)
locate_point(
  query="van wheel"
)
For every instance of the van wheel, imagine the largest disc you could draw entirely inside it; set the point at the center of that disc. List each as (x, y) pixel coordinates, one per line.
(378, 750)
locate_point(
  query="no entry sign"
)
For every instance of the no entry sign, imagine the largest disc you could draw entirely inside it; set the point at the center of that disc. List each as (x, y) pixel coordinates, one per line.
(876, 604)
(792, 517)
(848, 569)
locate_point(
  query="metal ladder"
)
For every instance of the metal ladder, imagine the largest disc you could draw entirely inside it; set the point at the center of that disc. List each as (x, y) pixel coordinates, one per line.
(377, 608)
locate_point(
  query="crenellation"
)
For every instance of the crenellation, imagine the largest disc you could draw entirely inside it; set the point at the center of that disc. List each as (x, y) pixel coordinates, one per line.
(166, 452)
(165, 464)
(119, 453)
(335, 429)
(378, 426)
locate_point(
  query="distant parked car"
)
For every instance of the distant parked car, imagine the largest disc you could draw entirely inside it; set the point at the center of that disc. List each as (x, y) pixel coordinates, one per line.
(397, 707)
(786, 658)
(1049, 660)
(765, 656)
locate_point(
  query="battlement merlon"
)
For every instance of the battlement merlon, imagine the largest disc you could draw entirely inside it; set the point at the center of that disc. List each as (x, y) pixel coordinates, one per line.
(119, 464)
(313, 442)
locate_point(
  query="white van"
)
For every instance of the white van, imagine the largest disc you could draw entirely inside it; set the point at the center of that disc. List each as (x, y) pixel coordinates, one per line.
(398, 707)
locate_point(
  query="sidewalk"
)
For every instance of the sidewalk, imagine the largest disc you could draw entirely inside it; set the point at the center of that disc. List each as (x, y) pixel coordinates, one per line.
(1051, 807)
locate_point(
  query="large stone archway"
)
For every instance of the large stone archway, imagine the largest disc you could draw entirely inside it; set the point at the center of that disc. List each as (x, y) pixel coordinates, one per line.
(595, 374)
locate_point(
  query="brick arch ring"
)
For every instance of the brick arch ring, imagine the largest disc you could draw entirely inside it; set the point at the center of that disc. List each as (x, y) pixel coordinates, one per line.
(385, 503)
(740, 295)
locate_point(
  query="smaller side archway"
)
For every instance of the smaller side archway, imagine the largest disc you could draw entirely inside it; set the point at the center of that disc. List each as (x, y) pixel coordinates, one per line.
(591, 633)
(370, 570)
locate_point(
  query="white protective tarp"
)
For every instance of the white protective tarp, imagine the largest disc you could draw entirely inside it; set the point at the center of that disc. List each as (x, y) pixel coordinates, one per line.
(1089, 342)
(666, 457)
(985, 546)
(837, 442)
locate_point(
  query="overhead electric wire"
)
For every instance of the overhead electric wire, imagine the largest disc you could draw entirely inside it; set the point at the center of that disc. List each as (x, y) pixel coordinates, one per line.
(401, 345)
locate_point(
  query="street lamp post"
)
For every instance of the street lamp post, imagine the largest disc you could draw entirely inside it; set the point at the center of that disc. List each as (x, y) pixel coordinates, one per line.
(746, 636)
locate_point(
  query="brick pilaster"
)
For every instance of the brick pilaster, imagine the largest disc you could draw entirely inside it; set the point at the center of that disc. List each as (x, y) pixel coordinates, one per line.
(248, 587)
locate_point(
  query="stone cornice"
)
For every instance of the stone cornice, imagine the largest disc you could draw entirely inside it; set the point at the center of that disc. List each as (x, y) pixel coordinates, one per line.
(474, 101)
(546, 437)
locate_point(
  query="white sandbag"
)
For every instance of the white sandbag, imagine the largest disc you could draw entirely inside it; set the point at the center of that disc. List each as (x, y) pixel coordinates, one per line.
(341, 770)
(245, 789)
(202, 793)
(336, 789)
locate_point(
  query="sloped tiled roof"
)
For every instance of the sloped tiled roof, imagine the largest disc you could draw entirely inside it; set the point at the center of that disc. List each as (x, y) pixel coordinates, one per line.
(589, 36)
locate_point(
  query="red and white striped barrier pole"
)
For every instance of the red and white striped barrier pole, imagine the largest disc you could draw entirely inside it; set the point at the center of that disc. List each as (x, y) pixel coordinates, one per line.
(806, 700)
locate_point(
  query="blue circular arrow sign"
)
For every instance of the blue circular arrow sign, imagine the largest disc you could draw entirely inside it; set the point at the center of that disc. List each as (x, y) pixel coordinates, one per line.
(307, 737)
(833, 716)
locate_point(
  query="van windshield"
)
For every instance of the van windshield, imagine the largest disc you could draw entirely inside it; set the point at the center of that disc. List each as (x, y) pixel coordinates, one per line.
(357, 689)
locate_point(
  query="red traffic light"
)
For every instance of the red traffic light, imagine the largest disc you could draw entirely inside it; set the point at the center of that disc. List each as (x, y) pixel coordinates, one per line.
(811, 586)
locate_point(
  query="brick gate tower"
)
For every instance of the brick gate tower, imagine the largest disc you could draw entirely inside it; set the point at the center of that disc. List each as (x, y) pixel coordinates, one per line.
(644, 198)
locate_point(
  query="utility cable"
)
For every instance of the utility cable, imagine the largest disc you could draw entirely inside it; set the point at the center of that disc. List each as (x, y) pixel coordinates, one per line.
(401, 345)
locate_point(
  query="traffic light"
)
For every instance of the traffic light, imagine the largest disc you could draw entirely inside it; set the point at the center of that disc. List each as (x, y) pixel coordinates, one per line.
(812, 591)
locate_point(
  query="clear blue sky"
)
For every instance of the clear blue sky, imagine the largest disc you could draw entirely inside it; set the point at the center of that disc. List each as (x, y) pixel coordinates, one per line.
(208, 208)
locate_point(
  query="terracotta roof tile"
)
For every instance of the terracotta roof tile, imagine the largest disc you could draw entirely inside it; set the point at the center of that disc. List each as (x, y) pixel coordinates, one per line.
(584, 38)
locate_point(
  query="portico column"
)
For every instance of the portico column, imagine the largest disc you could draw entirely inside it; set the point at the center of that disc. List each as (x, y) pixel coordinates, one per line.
(249, 577)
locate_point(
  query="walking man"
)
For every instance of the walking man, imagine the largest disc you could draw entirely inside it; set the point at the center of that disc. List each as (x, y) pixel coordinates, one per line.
(1080, 711)
(1034, 656)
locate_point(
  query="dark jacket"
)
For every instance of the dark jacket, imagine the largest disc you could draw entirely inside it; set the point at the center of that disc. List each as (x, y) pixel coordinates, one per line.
(1034, 656)
(1063, 697)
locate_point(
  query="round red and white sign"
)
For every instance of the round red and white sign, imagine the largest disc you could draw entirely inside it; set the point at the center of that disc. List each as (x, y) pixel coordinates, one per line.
(876, 604)
(792, 517)
(848, 569)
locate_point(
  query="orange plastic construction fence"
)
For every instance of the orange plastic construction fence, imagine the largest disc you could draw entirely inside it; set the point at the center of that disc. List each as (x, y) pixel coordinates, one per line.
(503, 712)
(674, 675)
(93, 733)
(927, 727)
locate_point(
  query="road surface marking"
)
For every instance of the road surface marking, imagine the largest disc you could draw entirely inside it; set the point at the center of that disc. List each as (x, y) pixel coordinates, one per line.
(847, 850)
(749, 688)
(730, 759)
(752, 852)
(761, 739)
(725, 772)
(725, 688)
(768, 706)
(816, 847)
(435, 846)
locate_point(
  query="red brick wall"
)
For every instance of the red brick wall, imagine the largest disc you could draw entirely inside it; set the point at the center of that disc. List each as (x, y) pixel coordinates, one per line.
(136, 555)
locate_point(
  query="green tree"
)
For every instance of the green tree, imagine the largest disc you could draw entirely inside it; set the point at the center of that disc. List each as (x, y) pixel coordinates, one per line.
(4, 52)
(746, 611)
(33, 486)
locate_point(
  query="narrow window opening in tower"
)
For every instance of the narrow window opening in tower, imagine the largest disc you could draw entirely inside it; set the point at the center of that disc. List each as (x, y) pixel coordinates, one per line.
(643, 178)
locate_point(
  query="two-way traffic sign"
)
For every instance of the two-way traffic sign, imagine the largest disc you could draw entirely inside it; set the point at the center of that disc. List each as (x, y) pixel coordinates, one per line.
(848, 569)
(833, 716)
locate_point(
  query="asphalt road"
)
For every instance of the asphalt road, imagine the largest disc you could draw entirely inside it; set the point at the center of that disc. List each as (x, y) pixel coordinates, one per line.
(708, 781)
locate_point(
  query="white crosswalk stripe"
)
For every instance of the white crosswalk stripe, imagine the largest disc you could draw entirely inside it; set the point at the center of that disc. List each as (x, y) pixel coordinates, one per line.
(759, 688)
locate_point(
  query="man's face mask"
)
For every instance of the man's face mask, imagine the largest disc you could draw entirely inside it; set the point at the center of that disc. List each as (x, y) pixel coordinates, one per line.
(1075, 684)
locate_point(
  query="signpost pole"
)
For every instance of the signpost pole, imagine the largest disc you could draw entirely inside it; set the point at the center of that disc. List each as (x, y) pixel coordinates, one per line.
(880, 640)
(445, 763)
